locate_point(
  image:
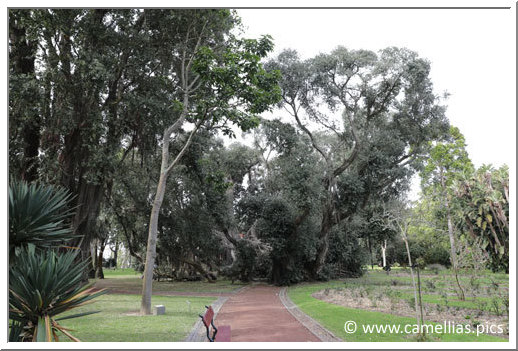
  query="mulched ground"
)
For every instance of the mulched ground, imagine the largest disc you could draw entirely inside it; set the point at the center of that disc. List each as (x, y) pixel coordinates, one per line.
(257, 314)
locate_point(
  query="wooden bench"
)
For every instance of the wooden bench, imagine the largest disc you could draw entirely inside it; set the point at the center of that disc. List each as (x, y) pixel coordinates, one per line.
(218, 334)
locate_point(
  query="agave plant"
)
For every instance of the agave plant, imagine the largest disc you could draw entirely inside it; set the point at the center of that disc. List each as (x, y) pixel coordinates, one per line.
(42, 285)
(37, 215)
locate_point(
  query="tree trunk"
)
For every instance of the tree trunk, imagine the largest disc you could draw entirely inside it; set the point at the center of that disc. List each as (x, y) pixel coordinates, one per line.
(280, 269)
(165, 168)
(22, 58)
(116, 254)
(323, 242)
(145, 306)
(198, 267)
(383, 252)
(413, 280)
(370, 252)
(99, 274)
(453, 250)
(88, 206)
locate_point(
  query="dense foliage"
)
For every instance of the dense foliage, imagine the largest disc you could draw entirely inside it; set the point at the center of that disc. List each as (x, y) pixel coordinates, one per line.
(483, 211)
(110, 103)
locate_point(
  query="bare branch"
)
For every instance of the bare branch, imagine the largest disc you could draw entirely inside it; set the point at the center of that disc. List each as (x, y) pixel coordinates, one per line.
(184, 149)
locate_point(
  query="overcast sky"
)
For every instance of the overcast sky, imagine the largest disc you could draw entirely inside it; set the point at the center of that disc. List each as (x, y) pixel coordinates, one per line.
(472, 53)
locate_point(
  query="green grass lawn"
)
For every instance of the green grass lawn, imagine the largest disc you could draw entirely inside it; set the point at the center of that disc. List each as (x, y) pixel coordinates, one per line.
(119, 321)
(129, 281)
(121, 273)
(333, 318)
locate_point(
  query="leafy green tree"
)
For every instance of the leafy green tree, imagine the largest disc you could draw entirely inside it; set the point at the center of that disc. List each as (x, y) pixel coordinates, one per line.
(446, 162)
(482, 200)
(25, 119)
(279, 204)
(220, 85)
(430, 232)
(368, 117)
(98, 74)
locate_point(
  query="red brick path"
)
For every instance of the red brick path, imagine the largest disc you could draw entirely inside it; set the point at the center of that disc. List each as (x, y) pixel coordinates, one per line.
(257, 314)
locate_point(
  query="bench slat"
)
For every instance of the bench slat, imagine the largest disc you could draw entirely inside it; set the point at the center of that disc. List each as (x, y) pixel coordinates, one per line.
(223, 333)
(208, 316)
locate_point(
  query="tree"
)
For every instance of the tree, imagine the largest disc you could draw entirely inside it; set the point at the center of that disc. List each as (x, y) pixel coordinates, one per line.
(447, 160)
(278, 207)
(25, 119)
(377, 112)
(95, 80)
(375, 230)
(430, 233)
(482, 202)
(400, 217)
(220, 83)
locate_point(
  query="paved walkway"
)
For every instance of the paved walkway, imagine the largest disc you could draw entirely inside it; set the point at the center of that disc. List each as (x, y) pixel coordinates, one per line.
(257, 314)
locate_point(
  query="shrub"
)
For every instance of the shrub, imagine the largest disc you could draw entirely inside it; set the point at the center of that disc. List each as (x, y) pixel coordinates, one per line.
(495, 306)
(42, 285)
(430, 285)
(505, 303)
(435, 268)
(42, 282)
(474, 283)
(37, 215)
(411, 302)
(437, 255)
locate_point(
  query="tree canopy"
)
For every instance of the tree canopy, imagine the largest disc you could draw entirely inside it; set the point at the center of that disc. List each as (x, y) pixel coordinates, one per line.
(134, 112)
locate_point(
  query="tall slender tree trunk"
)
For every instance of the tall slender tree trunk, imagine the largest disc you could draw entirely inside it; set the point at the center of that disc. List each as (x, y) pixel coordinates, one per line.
(453, 252)
(370, 252)
(145, 306)
(384, 252)
(165, 169)
(453, 249)
(413, 280)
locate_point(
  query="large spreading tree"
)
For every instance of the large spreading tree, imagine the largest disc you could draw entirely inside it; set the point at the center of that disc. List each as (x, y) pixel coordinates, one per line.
(377, 111)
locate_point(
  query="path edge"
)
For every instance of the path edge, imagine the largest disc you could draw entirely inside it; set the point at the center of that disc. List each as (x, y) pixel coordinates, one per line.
(312, 325)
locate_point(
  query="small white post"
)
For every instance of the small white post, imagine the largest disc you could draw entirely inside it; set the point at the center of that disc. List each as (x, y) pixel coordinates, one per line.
(159, 310)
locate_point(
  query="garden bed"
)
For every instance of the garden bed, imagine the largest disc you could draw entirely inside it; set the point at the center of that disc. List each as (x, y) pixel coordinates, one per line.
(393, 303)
